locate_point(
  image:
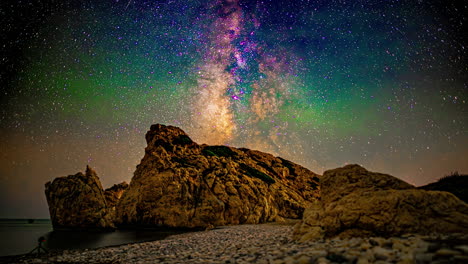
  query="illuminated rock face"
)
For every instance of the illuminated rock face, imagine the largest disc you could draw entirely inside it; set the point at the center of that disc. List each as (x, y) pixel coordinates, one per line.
(182, 184)
(78, 201)
(356, 202)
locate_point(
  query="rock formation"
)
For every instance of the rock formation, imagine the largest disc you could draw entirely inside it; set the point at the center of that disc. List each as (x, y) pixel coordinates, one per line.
(356, 202)
(78, 201)
(182, 184)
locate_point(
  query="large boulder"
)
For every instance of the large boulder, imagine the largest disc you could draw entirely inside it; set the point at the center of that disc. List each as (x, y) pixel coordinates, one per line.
(78, 202)
(356, 202)
(182, 184)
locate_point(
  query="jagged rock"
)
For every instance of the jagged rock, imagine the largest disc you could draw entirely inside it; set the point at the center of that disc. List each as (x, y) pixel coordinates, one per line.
(356, 202)
(182, 184)
(78, 201)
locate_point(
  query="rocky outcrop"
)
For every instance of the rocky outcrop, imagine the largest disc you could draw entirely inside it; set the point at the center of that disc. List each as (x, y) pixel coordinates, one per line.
(182, 184)
(356, 202)
(78, 201)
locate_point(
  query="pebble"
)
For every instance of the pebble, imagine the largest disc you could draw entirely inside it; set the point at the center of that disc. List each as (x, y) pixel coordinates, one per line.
(381, 253)
(268, 244)
(446, 252)
(289, 260)
(424, 258)
(365, 246)
(362, 260)
(405, 261)
(322, 260)
(318, 253)
(462, 248)
(304, 260)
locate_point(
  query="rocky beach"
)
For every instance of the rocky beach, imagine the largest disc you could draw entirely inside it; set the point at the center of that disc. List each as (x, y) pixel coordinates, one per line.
(268, 243)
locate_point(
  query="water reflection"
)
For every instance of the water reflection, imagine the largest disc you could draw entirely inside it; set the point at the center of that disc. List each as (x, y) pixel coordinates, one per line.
(19, 236)
(60, 240)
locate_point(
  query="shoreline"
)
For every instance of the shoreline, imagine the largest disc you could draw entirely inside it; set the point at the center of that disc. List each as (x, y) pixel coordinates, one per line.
(266, 243)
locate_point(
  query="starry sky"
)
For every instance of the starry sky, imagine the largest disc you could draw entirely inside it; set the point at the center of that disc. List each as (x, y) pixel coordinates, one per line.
(381, 83)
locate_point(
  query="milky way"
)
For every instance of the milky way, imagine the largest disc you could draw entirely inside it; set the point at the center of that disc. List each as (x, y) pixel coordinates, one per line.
(322, 83)
(239, 84)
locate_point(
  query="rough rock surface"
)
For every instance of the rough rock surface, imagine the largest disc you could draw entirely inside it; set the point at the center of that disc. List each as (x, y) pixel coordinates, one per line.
(182, 184)
(356, 202)
(78, 201)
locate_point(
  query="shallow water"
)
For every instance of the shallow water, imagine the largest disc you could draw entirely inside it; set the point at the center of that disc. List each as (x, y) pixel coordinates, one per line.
(20, 237)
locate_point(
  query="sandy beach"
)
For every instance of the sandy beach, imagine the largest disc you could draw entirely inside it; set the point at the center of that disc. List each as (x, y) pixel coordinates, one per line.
(267, 243)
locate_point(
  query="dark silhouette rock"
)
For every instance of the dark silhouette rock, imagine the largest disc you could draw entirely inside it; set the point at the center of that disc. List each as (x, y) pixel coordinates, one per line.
(78, 201)
(356, 202)
(456, 184)
(182, 184)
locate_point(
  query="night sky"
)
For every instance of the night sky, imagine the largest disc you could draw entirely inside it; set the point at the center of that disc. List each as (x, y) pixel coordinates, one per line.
(321, 83)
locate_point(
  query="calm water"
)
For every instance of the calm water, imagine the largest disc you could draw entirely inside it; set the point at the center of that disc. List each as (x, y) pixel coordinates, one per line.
(18, 236)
